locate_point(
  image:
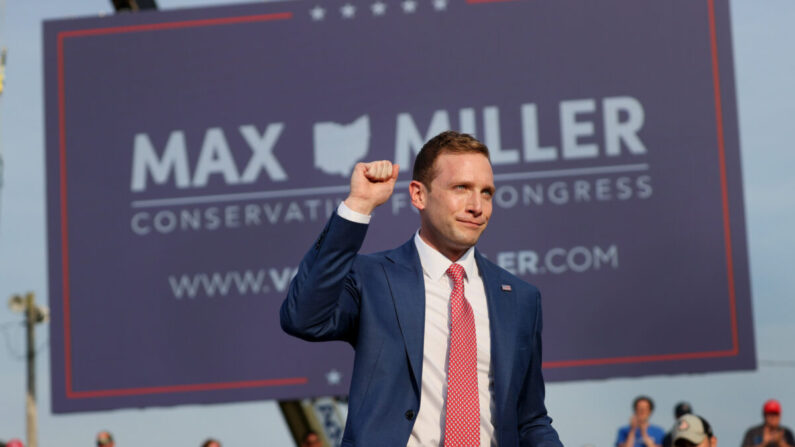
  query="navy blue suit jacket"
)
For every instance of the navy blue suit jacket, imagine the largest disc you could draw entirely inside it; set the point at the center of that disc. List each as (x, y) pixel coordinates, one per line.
(377, 304)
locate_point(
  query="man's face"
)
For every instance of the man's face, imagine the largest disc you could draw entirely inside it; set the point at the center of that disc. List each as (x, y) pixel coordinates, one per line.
(104, 439)
(772, 420)
(643, 410)
(457, 207)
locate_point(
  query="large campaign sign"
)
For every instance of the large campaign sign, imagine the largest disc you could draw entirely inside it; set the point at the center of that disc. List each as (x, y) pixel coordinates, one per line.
(194, 155)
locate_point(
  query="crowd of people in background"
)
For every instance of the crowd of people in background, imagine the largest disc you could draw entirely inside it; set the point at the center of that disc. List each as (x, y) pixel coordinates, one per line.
(105, 439)
(689, 430)
(692, 430)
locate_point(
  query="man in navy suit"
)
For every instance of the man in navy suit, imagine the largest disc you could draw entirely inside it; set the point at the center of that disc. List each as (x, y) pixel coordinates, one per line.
(448, 344)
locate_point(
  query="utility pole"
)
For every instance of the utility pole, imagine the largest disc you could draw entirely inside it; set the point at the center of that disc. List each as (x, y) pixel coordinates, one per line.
(33, 314)
(30, 400)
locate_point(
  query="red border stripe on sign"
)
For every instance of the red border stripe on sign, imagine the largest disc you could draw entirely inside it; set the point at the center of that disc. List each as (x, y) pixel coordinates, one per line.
(735, 350)
(303, 380)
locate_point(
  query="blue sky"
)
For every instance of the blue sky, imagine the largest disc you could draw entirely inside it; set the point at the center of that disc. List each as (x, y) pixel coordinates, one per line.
(585, 413)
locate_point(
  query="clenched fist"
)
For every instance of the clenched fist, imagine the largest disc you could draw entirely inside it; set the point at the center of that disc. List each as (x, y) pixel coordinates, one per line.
(371, 185)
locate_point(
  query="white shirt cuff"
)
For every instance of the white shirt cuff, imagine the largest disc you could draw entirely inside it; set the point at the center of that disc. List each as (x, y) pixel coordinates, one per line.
(349, 214)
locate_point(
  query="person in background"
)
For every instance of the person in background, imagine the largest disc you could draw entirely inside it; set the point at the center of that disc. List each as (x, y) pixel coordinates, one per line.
(105, 439)
(639, 432)
(14, 443)
(681, 409)
(693, 431)
(771, 433)
(211, 443)
(311, 439)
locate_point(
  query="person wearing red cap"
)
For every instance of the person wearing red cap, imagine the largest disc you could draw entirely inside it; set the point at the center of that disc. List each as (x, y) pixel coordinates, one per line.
(771, 433)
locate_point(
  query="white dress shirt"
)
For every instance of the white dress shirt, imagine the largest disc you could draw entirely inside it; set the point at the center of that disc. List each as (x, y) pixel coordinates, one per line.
(429, 427)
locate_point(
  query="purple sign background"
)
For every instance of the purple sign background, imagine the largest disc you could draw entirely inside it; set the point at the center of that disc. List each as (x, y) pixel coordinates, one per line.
(194, 155)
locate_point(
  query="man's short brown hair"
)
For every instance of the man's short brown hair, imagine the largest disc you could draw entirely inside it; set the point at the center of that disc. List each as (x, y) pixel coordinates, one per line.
(446, 142)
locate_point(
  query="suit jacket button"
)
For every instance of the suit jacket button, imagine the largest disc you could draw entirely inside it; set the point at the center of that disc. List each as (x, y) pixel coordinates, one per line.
(410, 414)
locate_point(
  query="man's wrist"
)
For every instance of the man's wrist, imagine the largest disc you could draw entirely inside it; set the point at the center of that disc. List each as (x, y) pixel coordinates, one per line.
(360, 206)
(347, 213)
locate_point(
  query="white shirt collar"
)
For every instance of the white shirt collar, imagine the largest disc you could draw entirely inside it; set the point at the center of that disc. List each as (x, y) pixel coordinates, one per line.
(435, 264)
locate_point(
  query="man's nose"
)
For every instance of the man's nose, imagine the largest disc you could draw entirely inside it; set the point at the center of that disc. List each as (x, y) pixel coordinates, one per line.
(475, 204)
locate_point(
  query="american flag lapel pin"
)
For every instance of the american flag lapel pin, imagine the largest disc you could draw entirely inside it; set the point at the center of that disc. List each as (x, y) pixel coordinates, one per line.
(506, 287)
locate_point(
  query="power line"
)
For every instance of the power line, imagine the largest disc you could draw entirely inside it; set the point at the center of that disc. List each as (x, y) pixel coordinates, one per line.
(16, 355)
(12, 352)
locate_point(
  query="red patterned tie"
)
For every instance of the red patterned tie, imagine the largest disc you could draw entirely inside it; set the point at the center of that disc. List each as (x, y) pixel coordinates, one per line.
(462, 417)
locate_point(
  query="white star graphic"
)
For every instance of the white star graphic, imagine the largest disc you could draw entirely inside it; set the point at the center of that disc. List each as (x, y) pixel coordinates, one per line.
(439, 5)
(379, 8)
(409, 6)
(317, 13)
(348, 11)
(333, 377)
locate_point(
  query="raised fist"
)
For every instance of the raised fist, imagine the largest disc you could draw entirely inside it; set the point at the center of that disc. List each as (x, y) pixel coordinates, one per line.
(371, 185)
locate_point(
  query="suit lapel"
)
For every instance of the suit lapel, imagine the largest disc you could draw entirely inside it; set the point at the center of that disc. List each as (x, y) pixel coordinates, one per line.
(502, 327)
(407, 286)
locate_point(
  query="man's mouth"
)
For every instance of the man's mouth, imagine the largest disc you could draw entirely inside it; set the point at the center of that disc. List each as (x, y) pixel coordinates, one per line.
(471, 223)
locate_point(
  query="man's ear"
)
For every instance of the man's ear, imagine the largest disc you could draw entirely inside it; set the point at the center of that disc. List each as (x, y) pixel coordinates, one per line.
(419, 194)
(713, 441)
